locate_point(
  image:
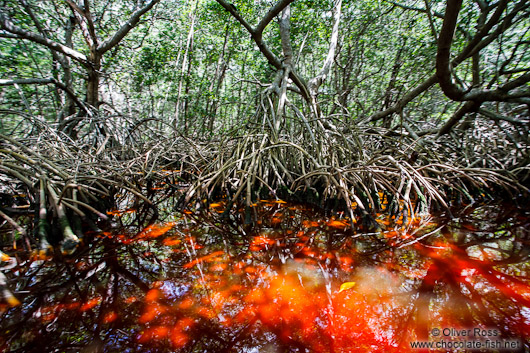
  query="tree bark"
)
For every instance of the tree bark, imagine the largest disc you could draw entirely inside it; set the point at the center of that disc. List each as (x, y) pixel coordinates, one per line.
(93, 79)
(392, 83)
(316, 82)
(443, 56)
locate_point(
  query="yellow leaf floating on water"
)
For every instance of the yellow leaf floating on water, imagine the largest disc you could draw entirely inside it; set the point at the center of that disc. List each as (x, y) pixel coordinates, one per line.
(338, 224)
(274, 201)
(346, 286)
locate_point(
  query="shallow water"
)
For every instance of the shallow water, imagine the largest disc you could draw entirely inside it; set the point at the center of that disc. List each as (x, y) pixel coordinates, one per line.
(296, 281)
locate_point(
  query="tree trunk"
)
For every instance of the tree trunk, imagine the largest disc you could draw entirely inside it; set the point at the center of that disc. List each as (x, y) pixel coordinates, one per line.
(185, 67)
(69, 108)
(92, 90)
(387, 121)
(216, 84)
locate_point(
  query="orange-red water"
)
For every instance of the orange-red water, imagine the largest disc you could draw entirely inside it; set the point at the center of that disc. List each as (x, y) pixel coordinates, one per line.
(297, 281)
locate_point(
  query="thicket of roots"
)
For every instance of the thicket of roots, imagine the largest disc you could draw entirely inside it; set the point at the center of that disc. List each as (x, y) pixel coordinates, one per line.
(358, 172)
(54, 189)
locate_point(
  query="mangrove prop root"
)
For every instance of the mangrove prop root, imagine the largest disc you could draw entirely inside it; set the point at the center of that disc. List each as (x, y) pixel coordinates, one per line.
(77, 182)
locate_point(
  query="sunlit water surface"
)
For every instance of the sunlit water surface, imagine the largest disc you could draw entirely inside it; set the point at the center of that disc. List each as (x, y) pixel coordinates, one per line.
(295, 281)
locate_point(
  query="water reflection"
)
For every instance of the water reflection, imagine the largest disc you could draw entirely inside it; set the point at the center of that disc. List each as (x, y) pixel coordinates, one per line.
(294, 282)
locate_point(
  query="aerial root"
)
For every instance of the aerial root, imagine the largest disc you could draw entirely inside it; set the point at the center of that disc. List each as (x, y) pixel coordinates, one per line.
(66, 184)
(258, 165)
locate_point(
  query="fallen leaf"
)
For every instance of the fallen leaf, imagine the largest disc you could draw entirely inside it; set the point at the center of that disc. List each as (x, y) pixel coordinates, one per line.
(346, 286)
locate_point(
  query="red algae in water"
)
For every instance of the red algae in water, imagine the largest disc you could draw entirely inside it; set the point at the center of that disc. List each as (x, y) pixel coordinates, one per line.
(297, 281)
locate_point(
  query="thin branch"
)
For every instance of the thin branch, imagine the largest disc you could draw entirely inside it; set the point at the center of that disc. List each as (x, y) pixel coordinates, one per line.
(4, 34)
(86, 24)
(233, 11)
(315, 83)
(8, 26)
(457, 116)
(443, 66)
(273, 12)
(257, 36)
(45, 81)
(424, 86)
(126, 28)
(476, 44)
(495, 116)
